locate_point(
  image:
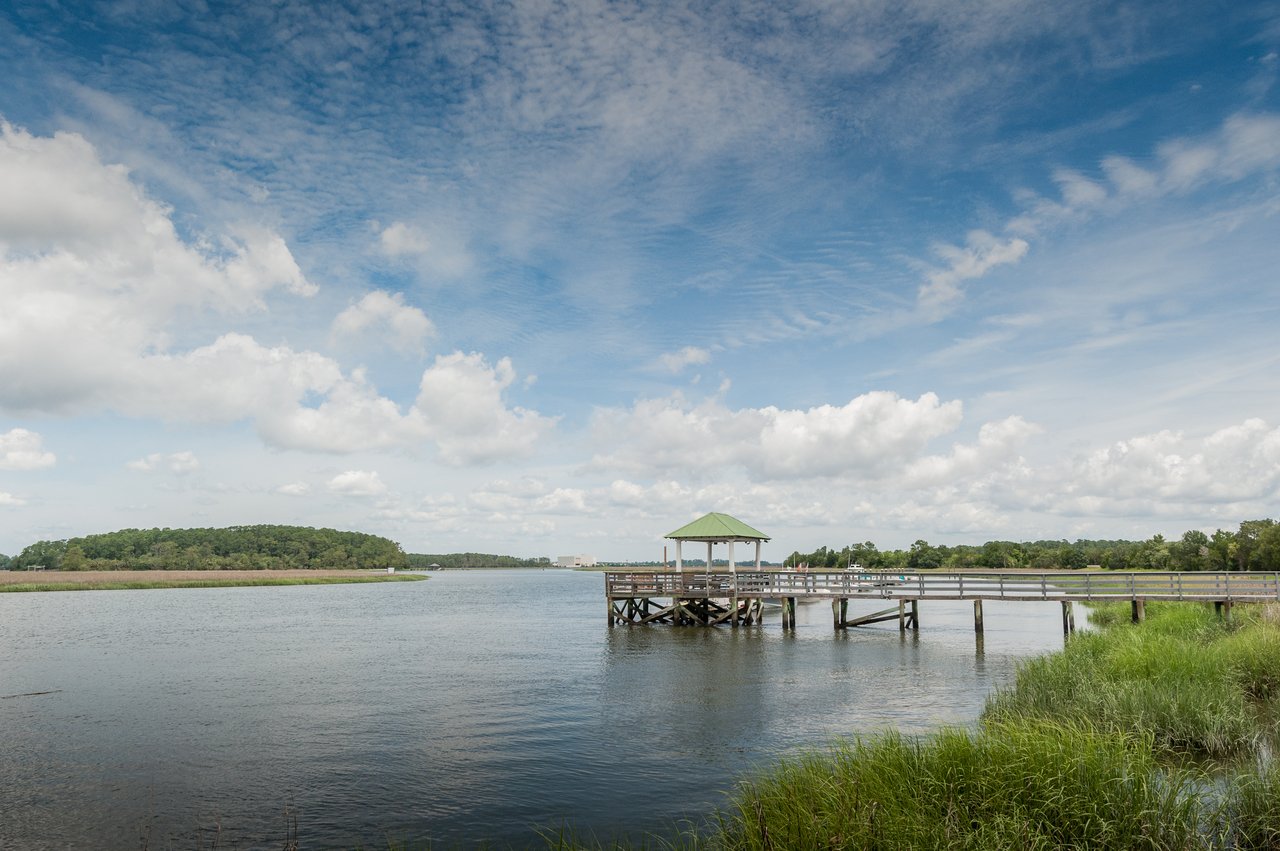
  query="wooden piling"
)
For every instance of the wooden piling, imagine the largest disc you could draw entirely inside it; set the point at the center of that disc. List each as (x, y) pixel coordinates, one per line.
(902, 616)
(915, 615)
(977, 617)
(1139, 612)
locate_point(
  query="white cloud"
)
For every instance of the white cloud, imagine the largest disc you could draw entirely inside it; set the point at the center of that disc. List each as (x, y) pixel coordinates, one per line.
(440, 251)
(358, 483)
(675, 362)
(386, 314)
(981, 253)
(92, 271)
(871, 435)
(8, 500)
(1236, 464)
(94, 278)
(996, 449)
(461, 407)
(294, 489)
(399, 239)
(21, 449)
(177, 463)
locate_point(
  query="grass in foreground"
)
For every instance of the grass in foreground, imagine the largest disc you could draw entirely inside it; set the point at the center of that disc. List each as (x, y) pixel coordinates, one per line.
(1027, 786)
(202, 583)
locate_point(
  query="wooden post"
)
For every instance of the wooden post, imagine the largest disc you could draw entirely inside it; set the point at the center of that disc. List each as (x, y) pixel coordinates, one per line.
(835, 613)
(1139, 610)
(1071, 615)
(977, 616)
(1066, 618)
(915, 615)
(902, 616)
(1226, 610)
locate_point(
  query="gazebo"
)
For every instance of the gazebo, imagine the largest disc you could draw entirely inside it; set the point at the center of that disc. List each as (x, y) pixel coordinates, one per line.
(715, 528)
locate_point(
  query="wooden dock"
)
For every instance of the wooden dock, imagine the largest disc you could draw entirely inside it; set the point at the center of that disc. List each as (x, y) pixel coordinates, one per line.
(737, 598)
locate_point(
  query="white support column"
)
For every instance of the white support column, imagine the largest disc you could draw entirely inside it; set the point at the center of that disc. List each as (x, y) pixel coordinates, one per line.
(679, 560)
(757, 555)
(709, 545)
(732, 568)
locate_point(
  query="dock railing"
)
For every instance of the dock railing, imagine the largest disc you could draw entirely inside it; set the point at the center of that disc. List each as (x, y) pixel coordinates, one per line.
(974, 585)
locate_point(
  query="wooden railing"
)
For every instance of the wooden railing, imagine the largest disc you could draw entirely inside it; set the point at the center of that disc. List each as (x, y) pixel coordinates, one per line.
(1016, 585)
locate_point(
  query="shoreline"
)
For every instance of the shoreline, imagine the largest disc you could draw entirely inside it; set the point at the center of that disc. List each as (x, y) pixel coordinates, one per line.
(22, 581)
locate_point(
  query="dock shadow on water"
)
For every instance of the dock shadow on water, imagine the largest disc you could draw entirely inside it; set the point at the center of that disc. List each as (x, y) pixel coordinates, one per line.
(486, 706)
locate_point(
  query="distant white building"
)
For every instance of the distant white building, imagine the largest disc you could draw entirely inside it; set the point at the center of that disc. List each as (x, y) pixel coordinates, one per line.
(575, 561)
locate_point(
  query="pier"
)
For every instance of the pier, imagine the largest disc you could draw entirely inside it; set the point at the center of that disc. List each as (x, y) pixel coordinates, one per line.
(737, 597)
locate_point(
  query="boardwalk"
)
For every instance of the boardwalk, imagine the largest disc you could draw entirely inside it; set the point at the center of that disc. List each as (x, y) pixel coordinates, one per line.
(722, 597)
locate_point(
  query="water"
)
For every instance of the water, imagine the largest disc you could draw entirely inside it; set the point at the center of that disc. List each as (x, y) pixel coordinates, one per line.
(473, 706)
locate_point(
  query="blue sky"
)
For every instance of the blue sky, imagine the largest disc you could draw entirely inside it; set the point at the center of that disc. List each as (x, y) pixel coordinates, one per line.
(553, 278)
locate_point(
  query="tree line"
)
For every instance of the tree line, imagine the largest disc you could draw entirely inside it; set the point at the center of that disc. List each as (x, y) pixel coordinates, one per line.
(232, 548)
(1254, 546)
(453, 561)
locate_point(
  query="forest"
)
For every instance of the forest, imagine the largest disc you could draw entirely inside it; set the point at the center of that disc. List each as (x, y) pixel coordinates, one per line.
(1254, 546)
(233, 548)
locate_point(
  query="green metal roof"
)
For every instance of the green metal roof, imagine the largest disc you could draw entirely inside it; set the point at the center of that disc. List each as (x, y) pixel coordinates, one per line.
(717, 527)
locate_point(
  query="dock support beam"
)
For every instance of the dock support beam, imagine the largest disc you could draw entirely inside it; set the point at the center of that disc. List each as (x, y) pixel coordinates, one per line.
(1222, 608)
(840, 611)
(1068, 618)
(977, 617)
(915, 615)
(788, 612)
(1139, 610)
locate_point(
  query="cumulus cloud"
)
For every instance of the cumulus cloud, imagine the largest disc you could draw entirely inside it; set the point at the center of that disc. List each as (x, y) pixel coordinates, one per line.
(1237, 464)
(94, 279)
(405, 327)
(675, 362)
(997, 447)
(294, 489)
(871, 435)
(21, 449)
(8, 500)
(461, 407)
(92, 271)
(177, 463)
(358, 483)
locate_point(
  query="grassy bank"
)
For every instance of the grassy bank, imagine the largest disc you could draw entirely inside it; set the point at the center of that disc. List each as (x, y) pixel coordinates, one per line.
(1099, 746)
(134, 580)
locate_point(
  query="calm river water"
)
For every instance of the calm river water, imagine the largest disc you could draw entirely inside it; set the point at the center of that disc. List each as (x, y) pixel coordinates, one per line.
(476, 706)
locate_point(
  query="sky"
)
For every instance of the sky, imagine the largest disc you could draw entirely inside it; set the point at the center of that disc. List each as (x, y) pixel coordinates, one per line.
(542, 278)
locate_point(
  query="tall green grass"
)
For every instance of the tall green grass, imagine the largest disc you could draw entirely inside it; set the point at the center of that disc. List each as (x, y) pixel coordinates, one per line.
(1030, 786)
(1191, 682)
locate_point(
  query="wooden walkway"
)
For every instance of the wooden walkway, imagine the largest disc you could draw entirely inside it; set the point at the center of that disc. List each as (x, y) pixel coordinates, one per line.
(700, 597)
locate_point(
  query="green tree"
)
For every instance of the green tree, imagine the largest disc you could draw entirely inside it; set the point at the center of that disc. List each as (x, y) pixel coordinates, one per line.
(1191, 552)
(922, 556)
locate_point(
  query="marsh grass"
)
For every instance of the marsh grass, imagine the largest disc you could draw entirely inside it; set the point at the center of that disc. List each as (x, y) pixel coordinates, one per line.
(1252, 809)
(1196, 685)
(1027, 785)
(20, 587)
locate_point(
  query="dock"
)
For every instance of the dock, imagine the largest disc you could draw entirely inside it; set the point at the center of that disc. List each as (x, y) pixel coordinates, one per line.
(737, 598)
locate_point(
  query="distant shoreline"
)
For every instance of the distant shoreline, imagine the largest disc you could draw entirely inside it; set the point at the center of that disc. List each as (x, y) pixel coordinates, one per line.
(122, 580)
